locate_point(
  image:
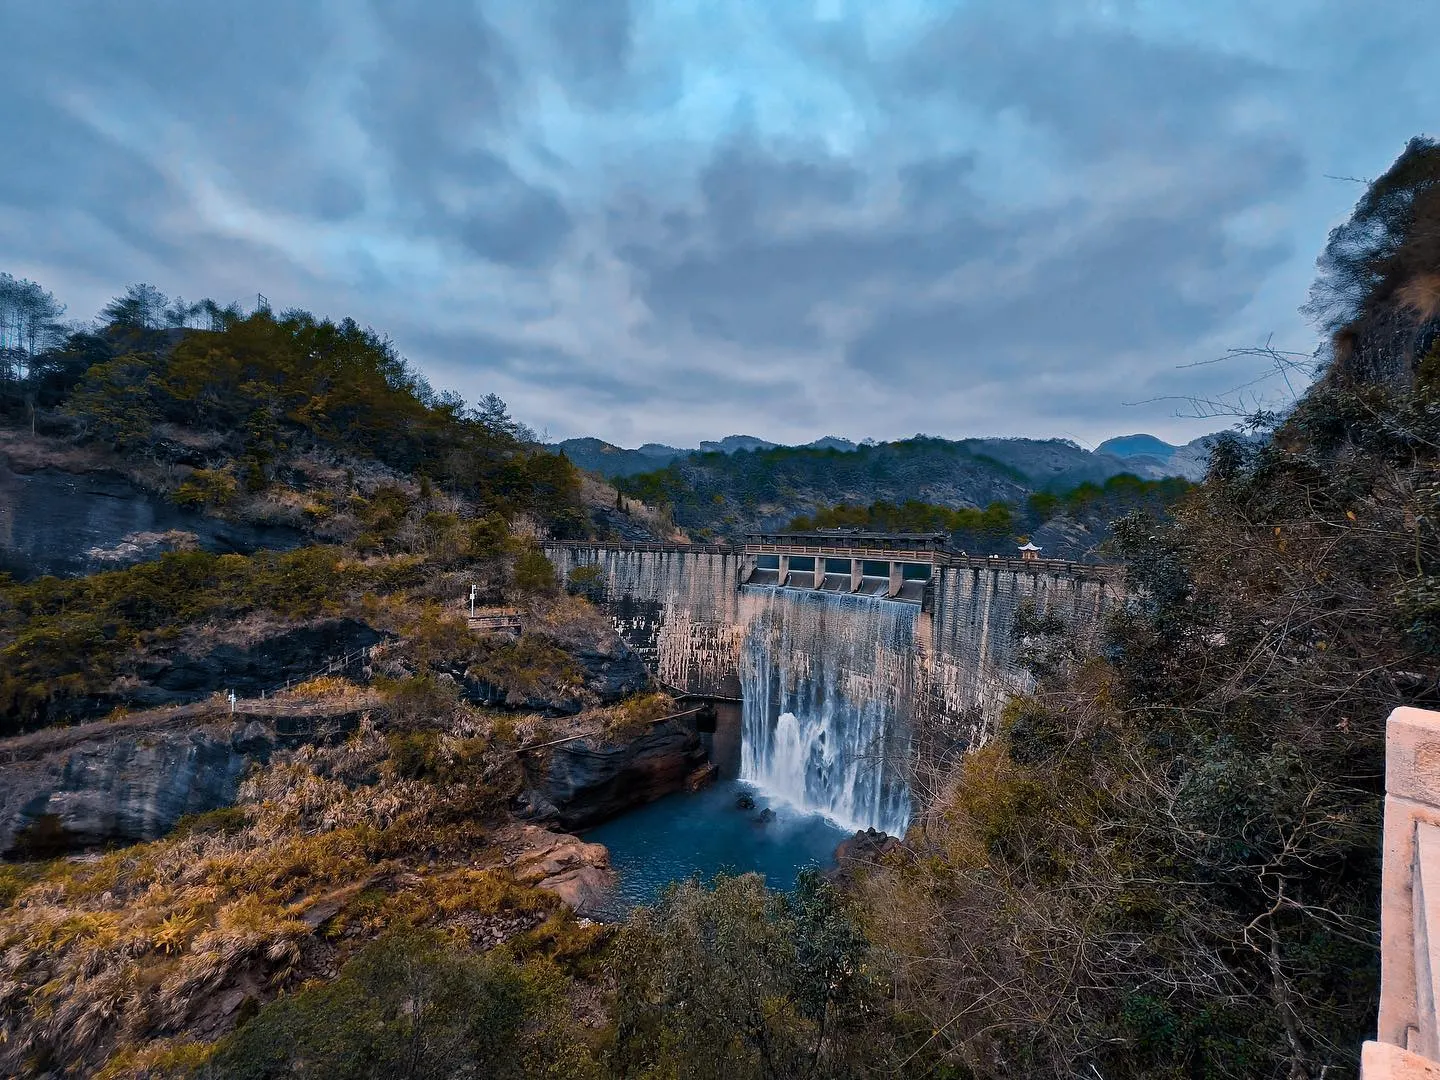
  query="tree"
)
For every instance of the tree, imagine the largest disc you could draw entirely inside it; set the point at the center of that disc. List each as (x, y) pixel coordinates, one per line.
(143, 307)
(179, 313)
(1393, 233)
(534, 573)
(29, 325)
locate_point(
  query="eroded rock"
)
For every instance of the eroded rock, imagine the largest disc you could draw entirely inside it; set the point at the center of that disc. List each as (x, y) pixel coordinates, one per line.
(586, 781)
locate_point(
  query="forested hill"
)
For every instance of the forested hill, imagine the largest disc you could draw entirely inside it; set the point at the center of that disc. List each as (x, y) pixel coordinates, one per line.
(718, 494)
(286, 417)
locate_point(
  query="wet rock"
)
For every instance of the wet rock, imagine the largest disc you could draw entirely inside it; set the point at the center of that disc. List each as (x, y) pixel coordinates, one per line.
(586, 781)
(702, 777)
(745, 802)
(765, 816)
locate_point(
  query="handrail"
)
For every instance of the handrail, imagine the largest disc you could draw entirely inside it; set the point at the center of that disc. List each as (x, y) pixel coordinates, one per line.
(936, 556)
(1407, 1038)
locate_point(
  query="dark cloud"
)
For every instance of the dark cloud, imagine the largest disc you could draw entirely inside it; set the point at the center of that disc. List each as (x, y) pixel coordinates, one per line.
(593, 40)
(731, 218)
(1097, 90)
(434, 104)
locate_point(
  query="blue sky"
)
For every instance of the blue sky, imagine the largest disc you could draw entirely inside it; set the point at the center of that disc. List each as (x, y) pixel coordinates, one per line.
(677, 220)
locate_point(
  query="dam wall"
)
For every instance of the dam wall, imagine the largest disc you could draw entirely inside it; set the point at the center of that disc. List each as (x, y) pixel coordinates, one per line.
(971, 656)
(684, 610)
(679, 610)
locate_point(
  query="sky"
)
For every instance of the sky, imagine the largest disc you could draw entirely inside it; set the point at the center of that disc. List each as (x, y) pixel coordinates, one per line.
(672, 220)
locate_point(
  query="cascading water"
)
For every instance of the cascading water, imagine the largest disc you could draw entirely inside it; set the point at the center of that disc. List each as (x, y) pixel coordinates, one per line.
(826, 681)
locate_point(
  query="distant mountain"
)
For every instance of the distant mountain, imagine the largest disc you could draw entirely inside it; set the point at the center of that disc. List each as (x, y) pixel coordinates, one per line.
(741, 490)
(731, 443)
(610, 461)
(1055, 465)
(1126, 446)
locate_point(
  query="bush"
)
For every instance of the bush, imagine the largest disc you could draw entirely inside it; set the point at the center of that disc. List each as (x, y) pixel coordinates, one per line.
(535, 574)
(410, 1005)
(207, 487)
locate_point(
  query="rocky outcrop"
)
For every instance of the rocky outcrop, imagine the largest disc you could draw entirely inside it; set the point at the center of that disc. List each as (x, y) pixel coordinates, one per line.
(577, 872)
(66, 524)
(612, 669)
(584, 782)
(248, 669)
(128, 785)
(865, 848)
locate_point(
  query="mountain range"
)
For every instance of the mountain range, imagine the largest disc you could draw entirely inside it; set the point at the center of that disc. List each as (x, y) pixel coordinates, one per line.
(1048, 462)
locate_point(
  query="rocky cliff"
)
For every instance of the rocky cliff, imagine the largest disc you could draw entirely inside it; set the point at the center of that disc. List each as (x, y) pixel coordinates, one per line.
(69, 523)
(584, 782)
(120, 783)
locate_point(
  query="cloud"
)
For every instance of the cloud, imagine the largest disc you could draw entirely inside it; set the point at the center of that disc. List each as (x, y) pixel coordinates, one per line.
(670, 222)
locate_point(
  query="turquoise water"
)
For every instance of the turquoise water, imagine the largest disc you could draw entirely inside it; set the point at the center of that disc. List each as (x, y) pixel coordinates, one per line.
(704, 833)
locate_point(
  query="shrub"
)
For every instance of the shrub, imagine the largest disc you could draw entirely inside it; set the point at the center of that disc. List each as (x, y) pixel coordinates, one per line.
(207, 487)
(410, 1005)
(535, 574)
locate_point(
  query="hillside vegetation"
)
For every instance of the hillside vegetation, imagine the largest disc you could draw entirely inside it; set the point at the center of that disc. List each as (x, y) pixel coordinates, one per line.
(1078, 519)
(728, 494)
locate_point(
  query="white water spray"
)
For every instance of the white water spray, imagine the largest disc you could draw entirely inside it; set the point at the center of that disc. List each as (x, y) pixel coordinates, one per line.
(827, 681)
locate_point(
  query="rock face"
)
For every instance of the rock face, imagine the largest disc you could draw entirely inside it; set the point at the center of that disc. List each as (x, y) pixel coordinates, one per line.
(131, 786)
(584, 782)
(249, 669)
(612, 669)
(54, 522)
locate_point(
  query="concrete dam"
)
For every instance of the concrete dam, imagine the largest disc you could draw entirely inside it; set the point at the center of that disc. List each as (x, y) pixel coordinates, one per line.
(840, 647)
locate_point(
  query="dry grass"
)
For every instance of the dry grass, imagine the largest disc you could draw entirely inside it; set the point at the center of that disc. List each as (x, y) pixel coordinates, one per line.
(1422, 295)
(107, 954)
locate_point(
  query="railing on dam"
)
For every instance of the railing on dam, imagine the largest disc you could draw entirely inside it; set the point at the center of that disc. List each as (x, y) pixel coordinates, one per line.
(1407, 1038)
(938, 556)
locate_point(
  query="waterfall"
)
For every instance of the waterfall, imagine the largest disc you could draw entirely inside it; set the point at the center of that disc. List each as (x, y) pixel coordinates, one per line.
(826, 681)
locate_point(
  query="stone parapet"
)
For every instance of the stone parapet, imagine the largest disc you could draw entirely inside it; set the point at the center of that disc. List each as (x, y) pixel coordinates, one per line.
(1407, 1040)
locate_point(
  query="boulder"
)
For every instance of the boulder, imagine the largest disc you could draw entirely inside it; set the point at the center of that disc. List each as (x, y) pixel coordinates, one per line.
(577, 872)
(864, 848)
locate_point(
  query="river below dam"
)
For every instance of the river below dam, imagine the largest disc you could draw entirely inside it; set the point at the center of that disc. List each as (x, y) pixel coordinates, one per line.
(706, 832)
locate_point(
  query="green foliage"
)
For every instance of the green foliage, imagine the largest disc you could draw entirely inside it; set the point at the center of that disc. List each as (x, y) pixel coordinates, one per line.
(207, 487)
(737, 981)
(118, 401)
(489, 538)
(535, 574)
(999, 520)
(220, 822)
(64, 640)
(527, 668)
(411, 1005)
(287, 382)
(588, 580)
